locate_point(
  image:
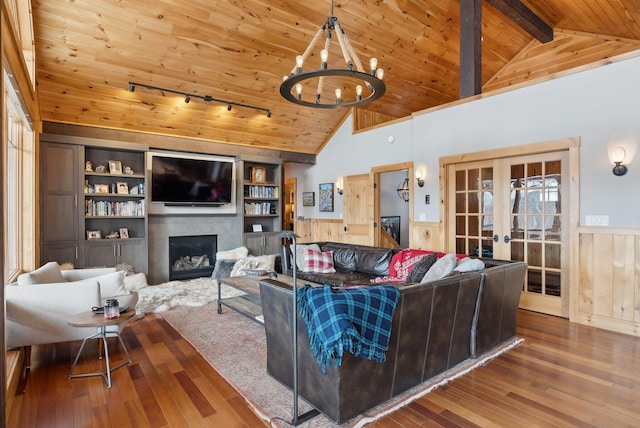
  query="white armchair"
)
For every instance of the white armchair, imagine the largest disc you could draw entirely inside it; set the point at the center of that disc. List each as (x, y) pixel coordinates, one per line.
(37, 309)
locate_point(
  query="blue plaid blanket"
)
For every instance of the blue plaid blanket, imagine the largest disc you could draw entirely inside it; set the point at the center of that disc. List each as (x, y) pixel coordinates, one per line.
(356, 320)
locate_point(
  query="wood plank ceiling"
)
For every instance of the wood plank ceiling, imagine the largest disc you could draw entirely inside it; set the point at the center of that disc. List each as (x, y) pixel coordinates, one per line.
(88, 50)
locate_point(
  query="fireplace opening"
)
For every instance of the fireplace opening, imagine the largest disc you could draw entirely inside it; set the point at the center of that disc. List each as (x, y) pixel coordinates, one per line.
(192, 256)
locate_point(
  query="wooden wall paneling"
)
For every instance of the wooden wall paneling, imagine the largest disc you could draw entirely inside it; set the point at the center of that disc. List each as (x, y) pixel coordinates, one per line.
(603, 275)
(609, 279)
(426, 236)
(327, 230)
(302, 228)
(585, 292)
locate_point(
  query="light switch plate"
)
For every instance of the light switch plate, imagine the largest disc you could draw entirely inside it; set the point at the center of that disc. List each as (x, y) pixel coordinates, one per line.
(597, 220)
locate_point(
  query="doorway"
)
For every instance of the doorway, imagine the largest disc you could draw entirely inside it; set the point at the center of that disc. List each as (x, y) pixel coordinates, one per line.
(518, 208)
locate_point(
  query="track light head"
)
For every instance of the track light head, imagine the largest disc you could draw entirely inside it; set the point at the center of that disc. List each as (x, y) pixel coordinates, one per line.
(132, 87)
(187, 99)
(229, 107)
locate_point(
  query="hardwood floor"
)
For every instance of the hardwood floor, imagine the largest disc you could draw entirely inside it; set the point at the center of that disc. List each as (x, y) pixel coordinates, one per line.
(562, 375)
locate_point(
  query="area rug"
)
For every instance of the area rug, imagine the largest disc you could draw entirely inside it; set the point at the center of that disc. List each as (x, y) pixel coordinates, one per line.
(191, 293)
(235, 347)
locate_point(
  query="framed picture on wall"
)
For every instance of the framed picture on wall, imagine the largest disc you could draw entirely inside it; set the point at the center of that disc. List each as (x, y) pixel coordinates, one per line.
(391, 225)
(258, 174)
(325, 197)
(308, 199)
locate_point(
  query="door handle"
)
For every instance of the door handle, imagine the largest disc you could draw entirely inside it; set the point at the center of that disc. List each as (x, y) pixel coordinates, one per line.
(346, 228)
(496, 238)
(506, 239)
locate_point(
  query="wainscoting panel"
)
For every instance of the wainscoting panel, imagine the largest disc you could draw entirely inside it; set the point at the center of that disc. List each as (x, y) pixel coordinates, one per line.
(609, 279)
(426, 236)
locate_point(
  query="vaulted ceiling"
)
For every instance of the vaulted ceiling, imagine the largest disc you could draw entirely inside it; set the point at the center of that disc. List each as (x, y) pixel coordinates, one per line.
(88, 50)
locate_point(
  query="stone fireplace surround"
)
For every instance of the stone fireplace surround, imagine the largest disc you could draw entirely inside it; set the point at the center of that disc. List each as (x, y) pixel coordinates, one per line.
(161, 227)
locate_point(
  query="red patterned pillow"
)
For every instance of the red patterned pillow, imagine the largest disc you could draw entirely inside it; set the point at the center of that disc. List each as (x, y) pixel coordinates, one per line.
(318, 261)
(403, 261)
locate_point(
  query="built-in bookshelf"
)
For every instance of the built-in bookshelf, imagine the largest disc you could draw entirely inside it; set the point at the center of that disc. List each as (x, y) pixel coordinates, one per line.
(262, 206)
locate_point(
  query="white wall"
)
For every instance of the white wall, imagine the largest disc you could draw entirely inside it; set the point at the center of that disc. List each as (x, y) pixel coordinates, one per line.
(600, 106)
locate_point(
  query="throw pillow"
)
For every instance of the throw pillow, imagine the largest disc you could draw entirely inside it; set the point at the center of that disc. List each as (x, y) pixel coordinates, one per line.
(441, 268)
(111, 284)
(234, 254)
(223, 268)
(318, 261)
(420, 269)
(403, 261)
(267, 263)
(469, 265)
(135, 282)
(47, 274)
(300, 253)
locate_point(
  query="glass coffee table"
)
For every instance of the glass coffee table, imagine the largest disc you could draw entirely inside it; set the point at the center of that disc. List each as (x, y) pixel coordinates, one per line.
(248, 304)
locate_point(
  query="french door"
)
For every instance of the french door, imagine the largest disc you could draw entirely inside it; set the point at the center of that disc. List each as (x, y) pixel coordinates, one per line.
(516, 208)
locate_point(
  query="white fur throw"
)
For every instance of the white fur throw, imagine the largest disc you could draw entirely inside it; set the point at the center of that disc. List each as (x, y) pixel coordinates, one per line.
(236, 253)
(267, 263)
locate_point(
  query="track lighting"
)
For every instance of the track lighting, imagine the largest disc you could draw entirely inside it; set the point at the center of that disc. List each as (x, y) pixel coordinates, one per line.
(207, 98)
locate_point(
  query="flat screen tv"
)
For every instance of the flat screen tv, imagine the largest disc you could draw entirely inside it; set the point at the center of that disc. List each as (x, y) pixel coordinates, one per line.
(180, 181)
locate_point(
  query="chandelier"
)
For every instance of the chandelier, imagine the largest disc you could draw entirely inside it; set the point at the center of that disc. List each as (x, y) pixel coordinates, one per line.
(352, 85)
(403, 190)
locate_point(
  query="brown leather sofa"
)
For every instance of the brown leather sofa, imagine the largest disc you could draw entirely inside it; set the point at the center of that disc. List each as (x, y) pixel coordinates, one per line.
(436, 325)
(354, 264)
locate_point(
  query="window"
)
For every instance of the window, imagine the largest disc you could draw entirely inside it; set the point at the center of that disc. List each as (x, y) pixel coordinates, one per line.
(18, 192)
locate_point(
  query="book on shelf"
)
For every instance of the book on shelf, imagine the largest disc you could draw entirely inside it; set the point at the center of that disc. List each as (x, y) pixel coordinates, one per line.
(95, 208)
(259, 208)
(272, 192)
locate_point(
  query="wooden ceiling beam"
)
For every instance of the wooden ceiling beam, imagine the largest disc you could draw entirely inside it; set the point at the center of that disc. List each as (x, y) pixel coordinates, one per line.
(470, 48)
(525, 18)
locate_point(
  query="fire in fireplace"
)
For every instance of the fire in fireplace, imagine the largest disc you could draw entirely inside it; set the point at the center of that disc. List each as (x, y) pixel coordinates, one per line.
(192, 256)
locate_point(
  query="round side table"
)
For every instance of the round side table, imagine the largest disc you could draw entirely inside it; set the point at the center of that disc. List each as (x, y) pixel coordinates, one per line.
(90, 319)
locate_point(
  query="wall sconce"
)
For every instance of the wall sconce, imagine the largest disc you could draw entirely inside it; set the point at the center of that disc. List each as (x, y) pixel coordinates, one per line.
(420, 177)
(617, 157)
(339, 187)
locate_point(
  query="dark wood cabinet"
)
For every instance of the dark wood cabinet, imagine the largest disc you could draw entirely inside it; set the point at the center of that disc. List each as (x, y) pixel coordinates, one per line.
(60, 217)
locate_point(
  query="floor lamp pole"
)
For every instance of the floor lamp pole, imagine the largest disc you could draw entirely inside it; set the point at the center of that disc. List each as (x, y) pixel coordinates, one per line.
(297, 419)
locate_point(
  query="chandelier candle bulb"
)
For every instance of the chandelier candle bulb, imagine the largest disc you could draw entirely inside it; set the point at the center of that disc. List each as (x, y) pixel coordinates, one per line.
(359, 92)
(324, 56)
(299, 63)
(338, 95)
(373, 63)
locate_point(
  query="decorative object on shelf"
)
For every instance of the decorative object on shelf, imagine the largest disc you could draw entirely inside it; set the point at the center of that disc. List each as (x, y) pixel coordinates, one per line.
(403, 190)
(325, 197)
(123, 188)
(258, 174)
(124, 233)
(113, 235)
(128, 170)
(208, 98)
(94, 234)
(101, 169)
(308, 199)
(115, 167)
(88, 166)
(256, 227)
(352, 74)
(102, 188)
(138, 189)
